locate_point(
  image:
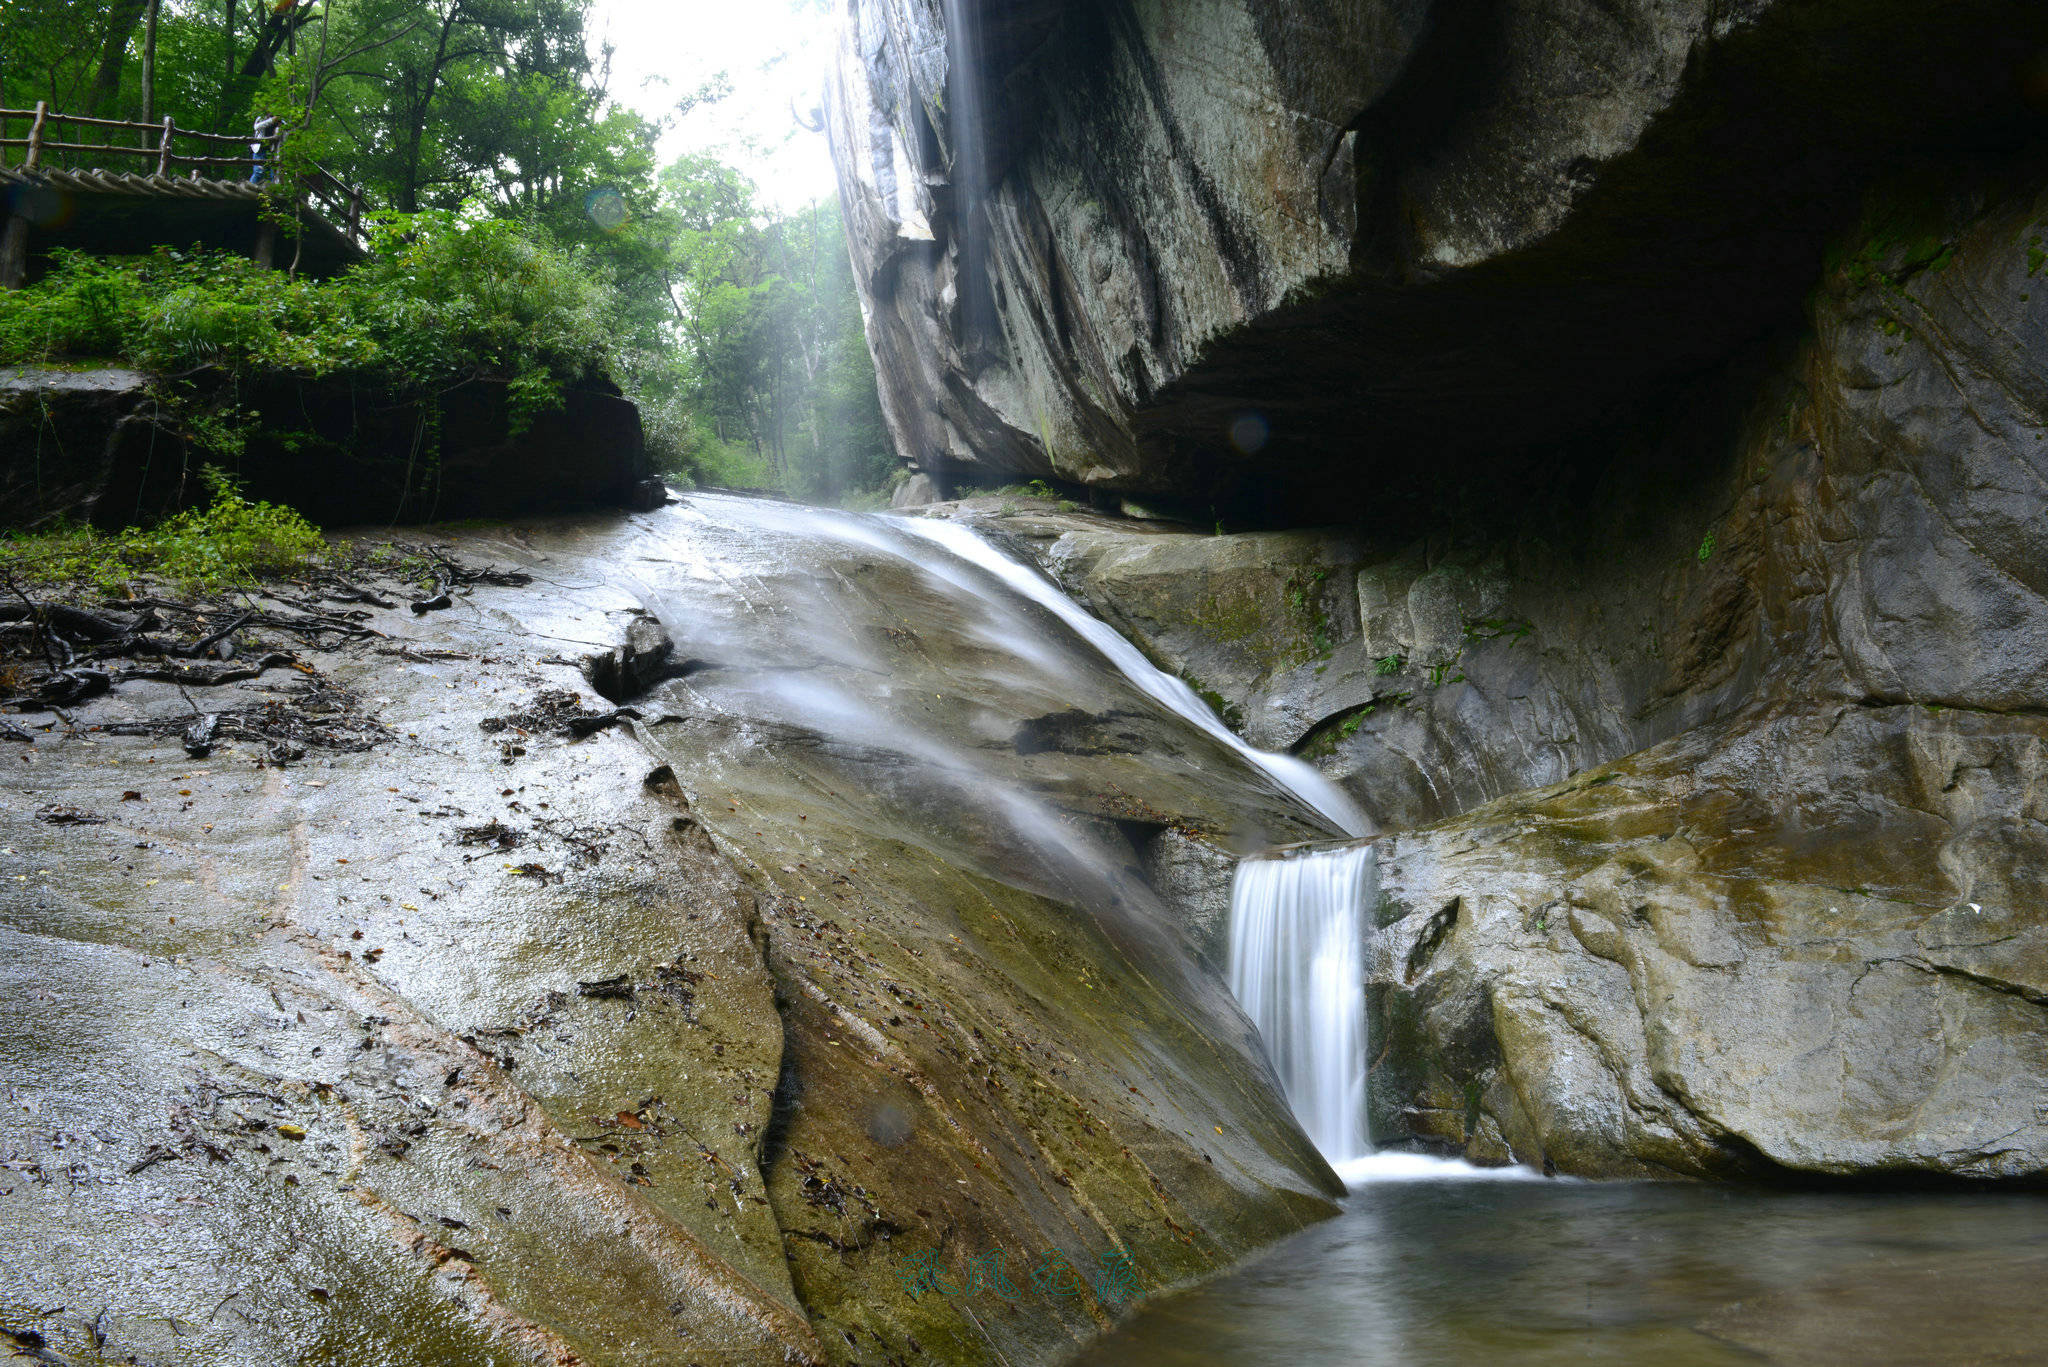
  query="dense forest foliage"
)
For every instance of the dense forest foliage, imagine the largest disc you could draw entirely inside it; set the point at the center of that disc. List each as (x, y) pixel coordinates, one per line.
(735, 326)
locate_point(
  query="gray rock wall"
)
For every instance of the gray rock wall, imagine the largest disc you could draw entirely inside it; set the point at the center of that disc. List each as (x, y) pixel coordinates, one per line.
(101, 446)
(1715, 789)
(1408, 241)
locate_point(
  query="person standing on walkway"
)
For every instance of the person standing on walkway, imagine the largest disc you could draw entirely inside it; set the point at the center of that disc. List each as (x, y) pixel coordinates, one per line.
(259, 150)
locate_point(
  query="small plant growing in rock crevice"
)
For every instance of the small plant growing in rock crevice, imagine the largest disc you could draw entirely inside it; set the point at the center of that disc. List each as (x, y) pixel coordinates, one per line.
(1305, 605)
(1513, 629)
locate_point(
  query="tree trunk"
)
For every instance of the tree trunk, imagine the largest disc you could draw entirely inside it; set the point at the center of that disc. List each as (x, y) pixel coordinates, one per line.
(149, 61)
(121, 25)
(13, 252)
(277, 28)
(409, 193)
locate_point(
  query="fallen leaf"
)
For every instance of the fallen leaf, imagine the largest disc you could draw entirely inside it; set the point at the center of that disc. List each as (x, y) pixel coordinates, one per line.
(631, 1121)
(291, 1131)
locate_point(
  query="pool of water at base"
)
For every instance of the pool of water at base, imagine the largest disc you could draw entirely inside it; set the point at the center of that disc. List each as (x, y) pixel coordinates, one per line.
(1435, 1273)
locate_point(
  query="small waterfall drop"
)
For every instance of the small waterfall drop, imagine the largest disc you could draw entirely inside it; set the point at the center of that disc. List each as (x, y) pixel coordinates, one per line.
(1297, 966)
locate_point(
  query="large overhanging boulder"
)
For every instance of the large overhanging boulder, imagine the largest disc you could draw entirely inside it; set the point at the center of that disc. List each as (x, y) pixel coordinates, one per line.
(1264, 256)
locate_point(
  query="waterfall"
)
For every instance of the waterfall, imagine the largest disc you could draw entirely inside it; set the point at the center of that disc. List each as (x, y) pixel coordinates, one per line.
(1297, 966)
(1297, 934)
(967, 121)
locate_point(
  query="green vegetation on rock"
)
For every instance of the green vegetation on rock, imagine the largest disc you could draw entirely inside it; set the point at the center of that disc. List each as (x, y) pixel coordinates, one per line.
(445, 300)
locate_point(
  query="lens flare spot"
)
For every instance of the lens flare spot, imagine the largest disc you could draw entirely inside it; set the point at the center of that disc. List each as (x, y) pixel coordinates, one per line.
(1249, 433)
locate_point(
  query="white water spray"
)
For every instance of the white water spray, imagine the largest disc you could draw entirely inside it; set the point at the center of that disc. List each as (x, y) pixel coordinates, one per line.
(1297, 966)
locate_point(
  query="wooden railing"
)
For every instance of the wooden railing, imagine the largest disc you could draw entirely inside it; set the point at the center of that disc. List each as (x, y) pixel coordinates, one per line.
(155, 146)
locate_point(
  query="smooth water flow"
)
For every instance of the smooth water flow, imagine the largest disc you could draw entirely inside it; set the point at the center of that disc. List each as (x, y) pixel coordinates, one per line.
(1297, 965)
(1294, 776)
(1297, 936)
(999, 630)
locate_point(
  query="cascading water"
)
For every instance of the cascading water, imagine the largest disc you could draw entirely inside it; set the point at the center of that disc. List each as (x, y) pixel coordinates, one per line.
(1297, 966)
(1294, 776)
(1297, 938)
(1297, 946)
(1296, 962)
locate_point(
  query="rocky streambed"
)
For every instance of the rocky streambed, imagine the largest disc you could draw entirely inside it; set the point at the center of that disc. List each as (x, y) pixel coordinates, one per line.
(523, 1028)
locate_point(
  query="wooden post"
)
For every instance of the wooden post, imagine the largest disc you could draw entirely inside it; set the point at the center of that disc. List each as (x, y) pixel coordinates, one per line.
(266, 243)
(163, 151)
(14, 253)
(35, 137)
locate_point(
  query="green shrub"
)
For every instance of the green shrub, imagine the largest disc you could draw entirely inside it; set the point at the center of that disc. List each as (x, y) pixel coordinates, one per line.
(444, 300)
(231, 540)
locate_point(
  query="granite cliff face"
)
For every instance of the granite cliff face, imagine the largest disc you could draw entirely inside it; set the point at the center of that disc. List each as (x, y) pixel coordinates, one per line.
(1713, 780)
(1284, 259)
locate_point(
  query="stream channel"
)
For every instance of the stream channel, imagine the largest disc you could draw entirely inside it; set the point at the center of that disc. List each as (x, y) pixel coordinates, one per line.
(1438, 1264)
(1434, 1263)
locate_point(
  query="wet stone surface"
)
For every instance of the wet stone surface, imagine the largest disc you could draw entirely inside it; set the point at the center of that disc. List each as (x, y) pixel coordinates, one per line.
(505, 1038)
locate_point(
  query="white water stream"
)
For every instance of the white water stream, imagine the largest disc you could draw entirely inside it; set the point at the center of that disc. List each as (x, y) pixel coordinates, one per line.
(1294, 776)
(1297, 965)
(1297, 922)
(1298, 919)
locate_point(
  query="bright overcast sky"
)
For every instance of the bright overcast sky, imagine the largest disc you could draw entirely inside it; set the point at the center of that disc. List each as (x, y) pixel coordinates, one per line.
(775, 53)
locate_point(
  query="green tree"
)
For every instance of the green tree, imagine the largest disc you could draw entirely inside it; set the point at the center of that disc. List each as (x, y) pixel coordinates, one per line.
(764, 369)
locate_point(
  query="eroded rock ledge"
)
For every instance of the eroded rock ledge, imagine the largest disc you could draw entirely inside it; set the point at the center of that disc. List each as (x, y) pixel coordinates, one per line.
(1430, 250)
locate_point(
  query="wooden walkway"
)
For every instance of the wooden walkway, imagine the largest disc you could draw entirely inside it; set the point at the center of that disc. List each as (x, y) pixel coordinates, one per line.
(58, 189)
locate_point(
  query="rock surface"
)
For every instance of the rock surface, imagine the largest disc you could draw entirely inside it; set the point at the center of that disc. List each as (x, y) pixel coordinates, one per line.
(1808, 941)
(58, 439)
(1715, 790)
(459, 1038)
(1287, 258)
(95, 446)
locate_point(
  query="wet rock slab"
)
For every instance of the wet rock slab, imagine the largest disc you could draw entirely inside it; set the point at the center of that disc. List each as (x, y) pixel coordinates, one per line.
(496, 1040)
